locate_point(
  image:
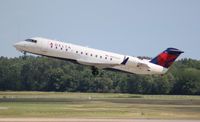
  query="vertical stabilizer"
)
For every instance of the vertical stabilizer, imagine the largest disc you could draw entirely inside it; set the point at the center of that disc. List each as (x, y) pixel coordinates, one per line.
(167, 57)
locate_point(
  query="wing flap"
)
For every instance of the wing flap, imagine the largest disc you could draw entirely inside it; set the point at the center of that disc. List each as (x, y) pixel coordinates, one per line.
(143, 66)
(98, 64)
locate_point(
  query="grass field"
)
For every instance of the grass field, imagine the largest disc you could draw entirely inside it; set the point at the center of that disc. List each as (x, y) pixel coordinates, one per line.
(98, 105)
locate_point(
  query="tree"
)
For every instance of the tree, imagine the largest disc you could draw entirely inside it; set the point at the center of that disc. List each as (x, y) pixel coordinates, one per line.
(55, 81)
(47, 74)
(188, 82)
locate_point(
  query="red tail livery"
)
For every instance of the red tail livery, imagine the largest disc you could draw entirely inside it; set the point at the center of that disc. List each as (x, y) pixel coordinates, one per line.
(167, 57)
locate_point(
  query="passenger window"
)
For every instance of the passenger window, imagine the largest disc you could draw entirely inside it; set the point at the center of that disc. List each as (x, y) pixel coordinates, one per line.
(51, 44)
(56, 46)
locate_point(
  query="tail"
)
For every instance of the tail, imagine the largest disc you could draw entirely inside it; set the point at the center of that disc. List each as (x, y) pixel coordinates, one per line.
(167, 57)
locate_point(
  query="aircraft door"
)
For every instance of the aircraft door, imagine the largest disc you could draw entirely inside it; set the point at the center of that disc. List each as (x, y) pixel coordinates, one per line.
(43, 46)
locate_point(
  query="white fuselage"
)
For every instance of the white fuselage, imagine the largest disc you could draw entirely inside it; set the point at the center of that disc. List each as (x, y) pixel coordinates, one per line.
(89, 56)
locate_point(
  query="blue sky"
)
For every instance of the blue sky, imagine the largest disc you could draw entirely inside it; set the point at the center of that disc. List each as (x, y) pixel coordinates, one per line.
(133, 27)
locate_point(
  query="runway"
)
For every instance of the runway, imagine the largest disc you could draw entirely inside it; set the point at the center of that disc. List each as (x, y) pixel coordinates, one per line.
(87, 120)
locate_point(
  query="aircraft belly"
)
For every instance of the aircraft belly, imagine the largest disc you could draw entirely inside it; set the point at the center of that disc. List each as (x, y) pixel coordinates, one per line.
(132, 69)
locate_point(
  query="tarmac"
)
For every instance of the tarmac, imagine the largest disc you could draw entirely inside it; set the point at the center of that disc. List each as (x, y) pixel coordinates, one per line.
(87, 120)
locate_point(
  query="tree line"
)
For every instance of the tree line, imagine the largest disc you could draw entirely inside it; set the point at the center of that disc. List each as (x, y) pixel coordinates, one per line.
(47, 74)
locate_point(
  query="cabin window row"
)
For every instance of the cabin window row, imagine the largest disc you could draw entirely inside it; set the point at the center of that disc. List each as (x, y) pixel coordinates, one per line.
(94, 55)
(68, 47)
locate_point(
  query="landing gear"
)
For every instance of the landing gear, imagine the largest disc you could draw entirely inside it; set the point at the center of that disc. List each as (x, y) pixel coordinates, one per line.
(24, 56)
(95, 71)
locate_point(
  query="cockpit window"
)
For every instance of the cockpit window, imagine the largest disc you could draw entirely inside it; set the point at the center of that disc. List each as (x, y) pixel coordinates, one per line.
(31, 40)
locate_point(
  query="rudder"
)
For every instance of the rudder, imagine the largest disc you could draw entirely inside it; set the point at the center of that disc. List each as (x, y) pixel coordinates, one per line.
(167, 57)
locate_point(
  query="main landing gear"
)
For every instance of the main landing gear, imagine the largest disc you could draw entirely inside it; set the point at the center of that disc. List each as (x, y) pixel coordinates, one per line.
(95, 71)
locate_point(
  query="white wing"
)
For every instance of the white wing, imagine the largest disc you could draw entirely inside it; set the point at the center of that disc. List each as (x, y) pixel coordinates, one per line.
(98, 64)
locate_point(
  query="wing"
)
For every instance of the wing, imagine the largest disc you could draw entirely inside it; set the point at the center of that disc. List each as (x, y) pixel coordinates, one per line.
(96, 63)
(143, 66)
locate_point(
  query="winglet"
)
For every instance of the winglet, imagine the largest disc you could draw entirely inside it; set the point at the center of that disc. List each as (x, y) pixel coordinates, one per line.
(125, 60)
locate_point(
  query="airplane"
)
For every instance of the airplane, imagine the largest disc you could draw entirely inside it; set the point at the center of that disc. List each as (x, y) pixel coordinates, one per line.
(99, 59)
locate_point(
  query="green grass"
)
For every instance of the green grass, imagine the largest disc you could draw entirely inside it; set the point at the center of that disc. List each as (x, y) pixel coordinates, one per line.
(98, 105)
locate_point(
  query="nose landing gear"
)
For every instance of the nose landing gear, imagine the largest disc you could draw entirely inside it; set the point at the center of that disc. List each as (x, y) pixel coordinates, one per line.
(24, 56)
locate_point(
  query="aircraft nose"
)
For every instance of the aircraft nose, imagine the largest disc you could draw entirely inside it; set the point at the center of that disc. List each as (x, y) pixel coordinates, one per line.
(19, 45)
